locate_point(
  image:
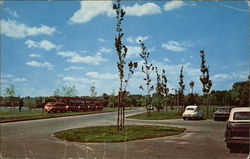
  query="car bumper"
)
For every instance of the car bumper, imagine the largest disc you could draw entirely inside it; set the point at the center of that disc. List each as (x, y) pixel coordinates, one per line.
(238, 140)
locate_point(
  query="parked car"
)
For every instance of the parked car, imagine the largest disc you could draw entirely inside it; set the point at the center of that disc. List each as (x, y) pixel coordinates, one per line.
(221, 113)
(237, 129)
(192, 112)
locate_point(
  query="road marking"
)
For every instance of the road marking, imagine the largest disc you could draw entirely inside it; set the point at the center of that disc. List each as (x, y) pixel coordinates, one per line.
(67, 143)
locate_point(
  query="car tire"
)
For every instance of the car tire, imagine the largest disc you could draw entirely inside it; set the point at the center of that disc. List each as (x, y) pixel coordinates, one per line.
(184, 118)
(233, 150)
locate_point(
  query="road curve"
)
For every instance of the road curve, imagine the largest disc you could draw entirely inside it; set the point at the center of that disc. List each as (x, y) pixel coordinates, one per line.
(33, 139)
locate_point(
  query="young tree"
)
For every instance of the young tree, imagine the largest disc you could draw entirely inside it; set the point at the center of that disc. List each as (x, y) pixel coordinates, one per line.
(121, 51)
(204, 78)
(146, 69)
(181, 87)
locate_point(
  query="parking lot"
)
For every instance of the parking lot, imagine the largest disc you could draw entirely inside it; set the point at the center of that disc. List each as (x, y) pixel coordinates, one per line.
(204, 139)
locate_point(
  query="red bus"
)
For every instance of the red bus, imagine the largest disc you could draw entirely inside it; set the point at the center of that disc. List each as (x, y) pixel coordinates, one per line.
(74, 104)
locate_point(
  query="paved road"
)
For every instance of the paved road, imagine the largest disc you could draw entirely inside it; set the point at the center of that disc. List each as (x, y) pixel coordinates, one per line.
(33, 139)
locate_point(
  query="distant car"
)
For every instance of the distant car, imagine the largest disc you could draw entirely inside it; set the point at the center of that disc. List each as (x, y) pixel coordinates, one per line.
(221, 113)
(150, 108)
(192, 112)
(237, 129)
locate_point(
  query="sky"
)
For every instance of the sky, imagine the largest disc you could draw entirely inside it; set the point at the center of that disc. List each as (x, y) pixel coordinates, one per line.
(47, 45)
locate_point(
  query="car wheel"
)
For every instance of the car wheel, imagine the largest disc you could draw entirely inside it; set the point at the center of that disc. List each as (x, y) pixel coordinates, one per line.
(184, 118)
(233, 150)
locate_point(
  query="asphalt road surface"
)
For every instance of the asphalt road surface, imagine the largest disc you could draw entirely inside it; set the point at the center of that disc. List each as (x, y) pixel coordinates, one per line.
(34, 140)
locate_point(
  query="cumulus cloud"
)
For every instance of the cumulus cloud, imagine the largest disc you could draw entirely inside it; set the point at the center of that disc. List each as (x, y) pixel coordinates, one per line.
(101, 76)
(11, 12)
(131, 39)
(74, 68)
(174, 46)
(13, 29)
(44, 44)
(40, 64)
(90, 9)
(74, 57)
(166, 59)
(141, 10)
(173, 5)
(105, 50)
(35, 55)
(101, 40)
(133, 51)
(19, 80)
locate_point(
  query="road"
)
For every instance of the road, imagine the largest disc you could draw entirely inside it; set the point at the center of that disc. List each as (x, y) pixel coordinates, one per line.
(34, 140)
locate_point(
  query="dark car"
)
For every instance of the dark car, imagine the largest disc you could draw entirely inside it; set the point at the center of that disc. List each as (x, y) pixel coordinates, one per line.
(221, 113)
(237, 129)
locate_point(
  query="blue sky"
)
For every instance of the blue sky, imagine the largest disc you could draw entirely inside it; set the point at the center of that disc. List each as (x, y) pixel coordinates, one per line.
(47, 45)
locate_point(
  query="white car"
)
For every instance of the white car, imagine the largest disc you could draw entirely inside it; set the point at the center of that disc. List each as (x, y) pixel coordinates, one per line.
(192, 112)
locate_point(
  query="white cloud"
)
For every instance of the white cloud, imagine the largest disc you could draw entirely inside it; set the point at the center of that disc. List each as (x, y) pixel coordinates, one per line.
(35, 55)
(19, 80)
(101, 40)
(101, 76)
(166, 59)
(67, 54)
(12, 28)
(105, 50)
(173, 5)
(44, 44)
(12, 13)
(76, 80)
(74, 57)
(74, 68)
(173, 46)
(39, 64)
(132, 40)
(144, 9)
(90, 9)
(220, 77)
(133, 51)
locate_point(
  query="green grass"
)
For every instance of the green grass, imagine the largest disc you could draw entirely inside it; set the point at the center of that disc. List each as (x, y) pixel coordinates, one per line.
(157, 115)
(110, 133)
(37, 114)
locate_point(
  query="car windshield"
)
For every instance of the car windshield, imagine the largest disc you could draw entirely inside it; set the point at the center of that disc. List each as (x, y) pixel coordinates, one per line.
(242, 116)
(190, 109)
(222, 109)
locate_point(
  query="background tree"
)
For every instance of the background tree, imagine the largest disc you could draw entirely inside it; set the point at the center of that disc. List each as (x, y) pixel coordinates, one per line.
(69, 91)
(10, 92)
(146, 69)
(181, 88)
(121, 51)
(191, 84)
(57, 93)
(204, 78)
(93, 92)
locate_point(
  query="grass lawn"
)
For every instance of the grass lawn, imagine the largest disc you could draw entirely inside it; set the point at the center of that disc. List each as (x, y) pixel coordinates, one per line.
(37, 114)
(110, 133)
(158, 115)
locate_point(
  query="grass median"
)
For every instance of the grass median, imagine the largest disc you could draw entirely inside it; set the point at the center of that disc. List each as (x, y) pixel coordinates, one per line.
(157, 115)
(38, 114)
(110, 133)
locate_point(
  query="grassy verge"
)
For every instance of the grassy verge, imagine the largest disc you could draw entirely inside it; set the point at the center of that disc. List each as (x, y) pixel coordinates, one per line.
(110, 133)
(38, 114)
(157, 115)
